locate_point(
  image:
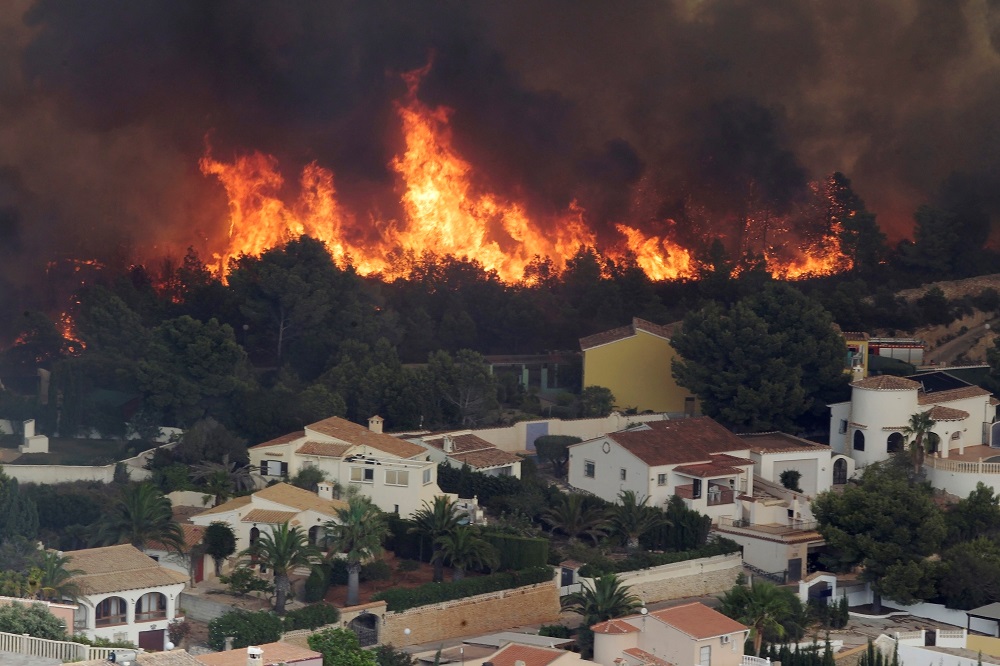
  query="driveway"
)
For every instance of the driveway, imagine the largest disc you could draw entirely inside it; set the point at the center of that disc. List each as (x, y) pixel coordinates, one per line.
(11, 659)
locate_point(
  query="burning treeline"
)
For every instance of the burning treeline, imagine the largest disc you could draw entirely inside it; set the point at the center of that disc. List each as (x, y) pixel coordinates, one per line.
(447, 212)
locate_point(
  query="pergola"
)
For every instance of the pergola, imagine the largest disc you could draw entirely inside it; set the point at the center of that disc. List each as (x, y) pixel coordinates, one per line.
(987, 612)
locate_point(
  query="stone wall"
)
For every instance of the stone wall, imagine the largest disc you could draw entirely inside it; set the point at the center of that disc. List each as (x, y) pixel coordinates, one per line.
(692, 578)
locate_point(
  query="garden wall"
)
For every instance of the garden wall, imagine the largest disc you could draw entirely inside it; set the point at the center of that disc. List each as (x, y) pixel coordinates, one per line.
(691, 578)
(515, 437)
(64, 473)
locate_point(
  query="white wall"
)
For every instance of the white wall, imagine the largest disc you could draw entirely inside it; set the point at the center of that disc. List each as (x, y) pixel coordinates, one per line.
(607, 483)
(840, 411)
(513, 437)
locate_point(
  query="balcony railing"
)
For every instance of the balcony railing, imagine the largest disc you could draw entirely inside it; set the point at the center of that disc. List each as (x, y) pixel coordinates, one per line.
(793, 527)
(111, 620)
(962, 466)
(718, 496)
(149, 616)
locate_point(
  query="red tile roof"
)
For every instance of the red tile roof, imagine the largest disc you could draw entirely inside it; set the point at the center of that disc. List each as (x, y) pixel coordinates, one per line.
(698, 620)
(953, 394)
(192, 537)
(623, 332)
(780, 442)
(284, 439)
(461, 443)
(678, 441)
(942, 413)
(614, 627)
(531, 655)
(707, 469)
(352, 433)
(647, 658)
(326, 449)
(886, 383)
(486, 458)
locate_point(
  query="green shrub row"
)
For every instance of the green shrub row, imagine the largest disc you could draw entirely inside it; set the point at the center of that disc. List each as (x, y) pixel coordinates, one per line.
(257, 627)
(311, 617)
(646, 560)
(398, 599)
(517, 552)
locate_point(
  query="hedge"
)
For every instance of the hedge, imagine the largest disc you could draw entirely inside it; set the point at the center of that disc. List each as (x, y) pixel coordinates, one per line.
(246, 628)
(398, 599)
(406, 545)
(638, 561)
(311, 617)
(517, 552)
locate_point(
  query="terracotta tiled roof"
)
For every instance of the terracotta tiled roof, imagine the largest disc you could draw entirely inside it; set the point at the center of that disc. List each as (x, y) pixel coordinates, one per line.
(886, 383)
(855, 335)
(119, 568)
(623, 332)
(646, 658)
(938, 397)
(678, 441)
(994, 401)
(614, 627)
(192, 537)
(172, 658)
(486, 458)
(269, 516)
(707, 469)
(297, 498)
(225, 507)
(462, 443)
(284, 439)
(274, 653)
(531, 655)
(698, 620)
(726, 459)
(780, 442)
(942, 413)
(326, 449)
(352, 433)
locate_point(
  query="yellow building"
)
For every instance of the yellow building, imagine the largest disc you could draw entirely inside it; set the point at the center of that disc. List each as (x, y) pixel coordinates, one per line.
(856, 362)
(634, 362)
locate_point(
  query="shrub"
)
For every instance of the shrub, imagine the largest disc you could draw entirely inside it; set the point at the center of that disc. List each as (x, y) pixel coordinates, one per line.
(317, 584)
(555, 631)
(178, 630)
(338, 571)
(32, 619)
(245, 627)
(340, 647)
(376, 570)
(517, 552)
(244, 580)
(398, 599)
(311, 617)
(103, 642)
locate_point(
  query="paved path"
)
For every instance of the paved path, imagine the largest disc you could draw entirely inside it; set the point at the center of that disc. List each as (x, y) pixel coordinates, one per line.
(11, 659)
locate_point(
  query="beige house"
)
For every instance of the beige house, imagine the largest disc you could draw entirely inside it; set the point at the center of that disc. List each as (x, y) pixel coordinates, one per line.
(465, 448)
(683, 635)
(125, 595)
(398, 476)
(275, 505)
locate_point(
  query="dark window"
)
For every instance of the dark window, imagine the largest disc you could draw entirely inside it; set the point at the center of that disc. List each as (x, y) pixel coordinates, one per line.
(589, 469)
(859, 440)
(894, 443)
(696, 489)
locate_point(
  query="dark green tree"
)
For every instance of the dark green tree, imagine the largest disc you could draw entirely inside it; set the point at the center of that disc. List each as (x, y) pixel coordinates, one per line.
(340, 647)
(553, 450)
(32, 619)
(596, 401)
(282, 549)
(465, 549)
(917, 432)
(767, 609)
(768, 361)
(606, 599)
(977, 515)
(466, 387)
(573, 517)
(889, 526)
(936, 244)
(219, 542)
(631, 518)
(970, 573)
(434, 521)
(139, 516)
(246, 628)
(358, 532)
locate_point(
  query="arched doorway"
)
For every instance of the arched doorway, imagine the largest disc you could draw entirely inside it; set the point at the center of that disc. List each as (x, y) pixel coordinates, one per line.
(859, 440)
(895, 442)
(365, 626)
(839, 472)
(933, 443)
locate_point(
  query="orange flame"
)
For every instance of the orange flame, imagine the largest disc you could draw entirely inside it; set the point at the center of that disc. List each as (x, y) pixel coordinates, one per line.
(444, 214)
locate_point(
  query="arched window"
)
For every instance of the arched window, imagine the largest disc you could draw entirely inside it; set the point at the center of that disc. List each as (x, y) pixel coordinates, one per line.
(933, 443)
(895, 442)
(859, 440)
(254, 535)
(112, 610)
(151, 606)
(840, 471)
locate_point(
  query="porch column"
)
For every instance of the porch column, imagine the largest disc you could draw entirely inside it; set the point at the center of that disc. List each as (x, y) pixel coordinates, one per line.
(171, 604)
(130, 610)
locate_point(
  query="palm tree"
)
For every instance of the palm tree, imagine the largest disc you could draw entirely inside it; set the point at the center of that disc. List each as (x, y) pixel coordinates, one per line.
(918, 428)
(282, 550)
(434, 521)
(224, 479)
(463, 549)
(763, 607)
(358, 531)
(140, 515)
(55, 581)
(633, 518)
(606, 599)
(574, 520)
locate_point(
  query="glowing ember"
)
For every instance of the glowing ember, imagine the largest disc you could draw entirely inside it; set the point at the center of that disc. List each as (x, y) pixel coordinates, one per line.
(67, 327)
(444, 214)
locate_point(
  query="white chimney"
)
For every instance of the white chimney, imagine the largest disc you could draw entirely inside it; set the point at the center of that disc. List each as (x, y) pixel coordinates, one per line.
(255, 656)
(29, 429)
(375, 424)
(325, 490)
(519, 663)
(449, 444)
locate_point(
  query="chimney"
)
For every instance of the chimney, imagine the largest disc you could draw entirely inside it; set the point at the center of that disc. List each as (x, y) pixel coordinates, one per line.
(375, 424)
(519, 662)
(29, 429)
(449, 444)
(228, 644)
(325, 490)
(255, 656)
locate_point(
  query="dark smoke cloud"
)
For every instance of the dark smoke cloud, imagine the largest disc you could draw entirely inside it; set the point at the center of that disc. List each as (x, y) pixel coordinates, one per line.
(104, 107)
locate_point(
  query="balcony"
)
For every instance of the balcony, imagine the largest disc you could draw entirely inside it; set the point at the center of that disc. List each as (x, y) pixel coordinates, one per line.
(718, 496)
(796, 530)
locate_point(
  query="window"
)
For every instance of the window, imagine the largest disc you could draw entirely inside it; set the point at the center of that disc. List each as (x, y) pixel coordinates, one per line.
(589, 469)
(894, 443)
(504, 471)
(397, 477)
(110, 611)
(859, 440)
(427, 476)
(705, 655)
(274, 468)
(843, 427)
(151, 606)
(623, 474)
(362, 474)
(661, 479)
(696, 489)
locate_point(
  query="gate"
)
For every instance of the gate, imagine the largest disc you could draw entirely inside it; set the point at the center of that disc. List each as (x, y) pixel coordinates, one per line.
(365, 627)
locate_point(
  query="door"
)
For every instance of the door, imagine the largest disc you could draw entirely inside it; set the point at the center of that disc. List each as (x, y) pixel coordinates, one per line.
(839, 472)
(153, 640)
(930, 638)
(199, 568)
(533, 431)
(795, 570)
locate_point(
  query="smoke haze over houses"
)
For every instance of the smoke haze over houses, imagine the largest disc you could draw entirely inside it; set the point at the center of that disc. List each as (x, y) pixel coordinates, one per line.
(641, 113)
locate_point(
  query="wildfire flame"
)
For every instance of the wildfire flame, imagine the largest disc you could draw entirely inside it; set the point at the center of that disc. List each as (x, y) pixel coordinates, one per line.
(445, 214)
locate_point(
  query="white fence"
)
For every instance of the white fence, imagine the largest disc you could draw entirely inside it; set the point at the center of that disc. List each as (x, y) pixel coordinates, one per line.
(41, 647)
